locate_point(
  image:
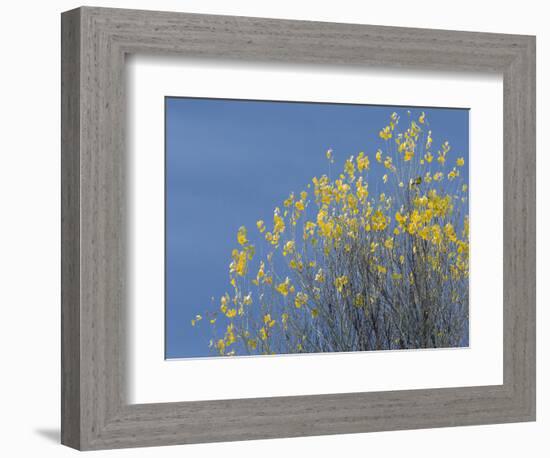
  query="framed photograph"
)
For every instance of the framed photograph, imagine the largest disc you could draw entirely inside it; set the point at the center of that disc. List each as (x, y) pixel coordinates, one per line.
(279, 228)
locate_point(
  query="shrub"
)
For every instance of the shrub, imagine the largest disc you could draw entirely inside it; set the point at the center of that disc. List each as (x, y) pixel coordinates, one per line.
(345, 270)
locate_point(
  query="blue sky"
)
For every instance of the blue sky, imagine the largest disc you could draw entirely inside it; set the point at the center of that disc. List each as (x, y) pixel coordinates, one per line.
(229, 163)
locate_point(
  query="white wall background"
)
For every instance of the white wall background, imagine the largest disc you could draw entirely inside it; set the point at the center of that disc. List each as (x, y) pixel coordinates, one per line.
(29, 228)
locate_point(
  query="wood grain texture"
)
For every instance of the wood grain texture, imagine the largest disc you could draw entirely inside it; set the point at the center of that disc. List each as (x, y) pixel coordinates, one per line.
(70, 229)
(95, 411)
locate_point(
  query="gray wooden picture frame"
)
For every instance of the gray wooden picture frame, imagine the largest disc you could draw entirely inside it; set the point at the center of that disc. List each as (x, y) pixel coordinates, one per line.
(95, 411)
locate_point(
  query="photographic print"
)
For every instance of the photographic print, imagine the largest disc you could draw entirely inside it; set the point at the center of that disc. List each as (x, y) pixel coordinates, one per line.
(301, 227)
